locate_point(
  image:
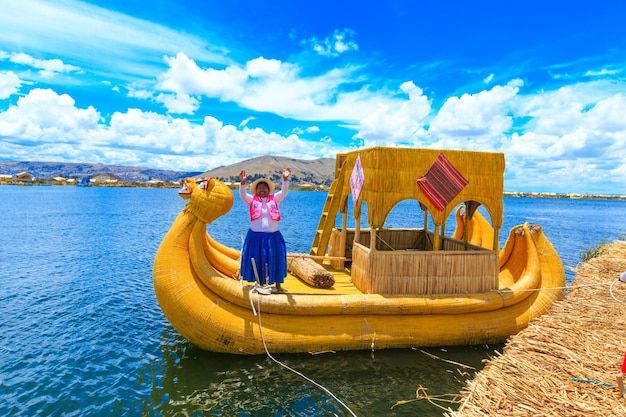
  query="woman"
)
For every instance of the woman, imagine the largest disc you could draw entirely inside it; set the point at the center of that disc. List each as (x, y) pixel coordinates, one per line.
(264, 244)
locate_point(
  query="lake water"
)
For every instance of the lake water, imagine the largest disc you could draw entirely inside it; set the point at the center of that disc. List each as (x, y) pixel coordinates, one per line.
(81, 332)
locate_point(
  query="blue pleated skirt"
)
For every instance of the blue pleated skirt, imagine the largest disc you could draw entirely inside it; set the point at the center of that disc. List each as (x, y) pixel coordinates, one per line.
(270, 255)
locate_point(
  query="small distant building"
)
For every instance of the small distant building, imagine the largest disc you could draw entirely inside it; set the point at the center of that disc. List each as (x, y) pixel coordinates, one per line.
(25, 177)
(306, 187)
(105, 178)
(59, 180)
(4, 178)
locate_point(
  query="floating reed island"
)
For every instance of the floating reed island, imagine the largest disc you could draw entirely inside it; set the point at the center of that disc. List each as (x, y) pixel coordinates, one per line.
(567, 362)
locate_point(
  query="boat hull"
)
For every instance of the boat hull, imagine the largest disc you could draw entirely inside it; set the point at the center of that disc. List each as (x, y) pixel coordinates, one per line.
(195, 286)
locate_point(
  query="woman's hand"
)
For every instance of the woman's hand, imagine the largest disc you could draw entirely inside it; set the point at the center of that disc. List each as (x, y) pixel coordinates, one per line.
(242, 176)
(286, 173)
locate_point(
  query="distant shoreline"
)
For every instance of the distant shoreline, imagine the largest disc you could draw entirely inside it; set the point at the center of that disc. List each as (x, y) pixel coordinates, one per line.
(573, 196)
(162, 184)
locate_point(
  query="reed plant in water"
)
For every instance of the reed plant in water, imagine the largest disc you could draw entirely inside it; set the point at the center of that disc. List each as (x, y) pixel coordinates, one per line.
(592, 251)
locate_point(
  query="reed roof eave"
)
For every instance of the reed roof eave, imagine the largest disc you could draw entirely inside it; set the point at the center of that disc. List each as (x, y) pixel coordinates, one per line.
(390, 176)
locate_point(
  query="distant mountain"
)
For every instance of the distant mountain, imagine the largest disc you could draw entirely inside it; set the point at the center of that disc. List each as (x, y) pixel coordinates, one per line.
(47, 170)
(318, 171)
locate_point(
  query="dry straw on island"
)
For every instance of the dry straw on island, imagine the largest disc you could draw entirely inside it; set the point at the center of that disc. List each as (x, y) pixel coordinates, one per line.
(566, 362)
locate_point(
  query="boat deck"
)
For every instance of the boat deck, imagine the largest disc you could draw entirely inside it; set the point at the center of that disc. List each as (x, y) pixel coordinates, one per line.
(343, 284)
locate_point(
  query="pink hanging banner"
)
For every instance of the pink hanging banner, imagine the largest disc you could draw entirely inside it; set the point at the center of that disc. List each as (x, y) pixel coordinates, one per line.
(356, 180)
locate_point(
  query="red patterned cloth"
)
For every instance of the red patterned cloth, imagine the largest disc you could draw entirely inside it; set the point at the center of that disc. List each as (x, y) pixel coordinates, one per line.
(441, 183)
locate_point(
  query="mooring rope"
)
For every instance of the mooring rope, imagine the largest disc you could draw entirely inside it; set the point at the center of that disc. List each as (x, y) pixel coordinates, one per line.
(566, 287)
(257, 313)
(611, 291)
(592, 381)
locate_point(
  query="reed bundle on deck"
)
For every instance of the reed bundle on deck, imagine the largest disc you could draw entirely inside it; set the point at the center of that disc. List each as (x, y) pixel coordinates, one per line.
(565, 363)
(310, 271)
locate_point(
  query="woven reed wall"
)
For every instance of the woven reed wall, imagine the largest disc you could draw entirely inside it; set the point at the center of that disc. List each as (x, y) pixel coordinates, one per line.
(390, 176)
(393, 239)
(398, 239)
(423, 272)
(451, 244)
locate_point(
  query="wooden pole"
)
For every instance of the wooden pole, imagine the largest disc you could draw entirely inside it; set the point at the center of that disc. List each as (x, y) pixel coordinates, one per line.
(342, 240)
(620, 384)
(436, 238)
(465, 227)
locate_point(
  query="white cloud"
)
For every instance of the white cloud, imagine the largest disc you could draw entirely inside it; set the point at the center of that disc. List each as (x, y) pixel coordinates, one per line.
(481, 117)
(602, 72)
(269, 85)
(179, 103)
(44, 125)
(569, 124)
(399, 120)
(553, 112)
(44, 116)
(573, 143)
(267, 68)
(9, 84)
(338, 43)
(48, 67)
(246, 121)
(566, 144)
(115, 43)
(608, 115)
(185, 77)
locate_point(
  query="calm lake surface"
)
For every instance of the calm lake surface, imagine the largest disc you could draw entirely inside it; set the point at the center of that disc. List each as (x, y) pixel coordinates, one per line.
(81, 332)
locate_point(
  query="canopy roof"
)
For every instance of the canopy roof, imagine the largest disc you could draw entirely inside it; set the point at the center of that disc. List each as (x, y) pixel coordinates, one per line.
(390, 175)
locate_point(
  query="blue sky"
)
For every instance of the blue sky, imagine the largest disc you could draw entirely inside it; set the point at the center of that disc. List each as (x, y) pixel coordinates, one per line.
(193, 85)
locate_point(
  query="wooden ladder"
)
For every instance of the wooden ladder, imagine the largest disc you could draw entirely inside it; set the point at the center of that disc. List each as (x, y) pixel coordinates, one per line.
(329, 213)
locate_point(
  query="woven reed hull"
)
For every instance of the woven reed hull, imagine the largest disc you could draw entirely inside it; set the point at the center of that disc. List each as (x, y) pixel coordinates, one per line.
(214, 311)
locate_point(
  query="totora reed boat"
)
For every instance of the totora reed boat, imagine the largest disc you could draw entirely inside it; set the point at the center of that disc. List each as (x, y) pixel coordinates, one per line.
(375, 288)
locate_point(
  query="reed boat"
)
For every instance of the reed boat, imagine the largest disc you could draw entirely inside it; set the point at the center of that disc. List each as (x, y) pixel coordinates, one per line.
(368, 287)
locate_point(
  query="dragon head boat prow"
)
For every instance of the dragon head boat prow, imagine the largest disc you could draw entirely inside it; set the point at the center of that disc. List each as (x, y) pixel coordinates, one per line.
(208, 202)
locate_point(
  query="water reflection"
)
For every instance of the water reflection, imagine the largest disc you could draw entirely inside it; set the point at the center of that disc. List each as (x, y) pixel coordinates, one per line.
(192, 382)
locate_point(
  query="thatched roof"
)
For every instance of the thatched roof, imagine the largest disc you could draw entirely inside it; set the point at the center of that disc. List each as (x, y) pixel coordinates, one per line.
(391, 176)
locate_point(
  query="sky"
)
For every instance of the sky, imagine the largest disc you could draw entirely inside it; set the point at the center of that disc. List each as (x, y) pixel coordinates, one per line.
(194, 85)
